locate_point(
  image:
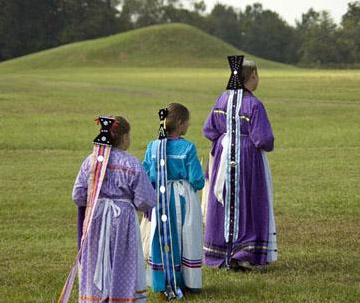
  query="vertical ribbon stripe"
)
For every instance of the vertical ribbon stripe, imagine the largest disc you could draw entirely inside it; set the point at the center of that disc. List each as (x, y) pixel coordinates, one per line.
(163, 218)
(228, 166)
(272, 249)
(232, 197)
(238, 164)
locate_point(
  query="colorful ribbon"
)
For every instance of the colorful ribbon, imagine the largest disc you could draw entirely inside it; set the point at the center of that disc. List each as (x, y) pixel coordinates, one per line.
(164, 222)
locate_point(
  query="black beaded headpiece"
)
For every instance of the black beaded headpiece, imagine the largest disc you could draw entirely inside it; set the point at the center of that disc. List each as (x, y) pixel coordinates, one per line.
(104, 138)
(236, 65)
(162, 129)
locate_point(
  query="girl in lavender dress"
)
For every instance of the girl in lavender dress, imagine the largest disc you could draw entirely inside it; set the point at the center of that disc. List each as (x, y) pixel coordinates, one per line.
(253, 237)
(111, 262)
(175, 266)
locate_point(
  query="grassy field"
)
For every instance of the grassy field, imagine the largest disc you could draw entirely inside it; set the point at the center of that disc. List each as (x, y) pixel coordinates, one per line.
(48, 103)
(47, 128)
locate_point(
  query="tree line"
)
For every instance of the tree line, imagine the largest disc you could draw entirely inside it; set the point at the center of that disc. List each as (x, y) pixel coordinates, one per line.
(28, 26)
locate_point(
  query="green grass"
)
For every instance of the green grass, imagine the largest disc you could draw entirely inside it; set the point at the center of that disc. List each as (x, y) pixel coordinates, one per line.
(47, 127)
(169, 45)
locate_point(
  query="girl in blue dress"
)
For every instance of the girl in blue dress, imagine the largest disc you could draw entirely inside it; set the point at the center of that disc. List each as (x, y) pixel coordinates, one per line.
(175, 240)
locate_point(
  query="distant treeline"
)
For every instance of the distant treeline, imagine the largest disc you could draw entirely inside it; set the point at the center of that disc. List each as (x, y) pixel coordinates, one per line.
(27, 26)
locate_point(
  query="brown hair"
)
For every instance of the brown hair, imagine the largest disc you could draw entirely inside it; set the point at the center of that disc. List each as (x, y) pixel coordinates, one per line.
(120, 127)
(249, 67)
(177, 114)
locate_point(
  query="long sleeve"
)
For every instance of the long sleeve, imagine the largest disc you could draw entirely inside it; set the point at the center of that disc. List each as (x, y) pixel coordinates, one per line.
(215, 124)
(210, 130)
(144, 193)
(79, 193)
(196, 177)
(260, 129)
(147, 160)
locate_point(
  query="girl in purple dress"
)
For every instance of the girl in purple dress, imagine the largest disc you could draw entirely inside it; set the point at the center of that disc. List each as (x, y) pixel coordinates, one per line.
(111, 262)
(252, 240)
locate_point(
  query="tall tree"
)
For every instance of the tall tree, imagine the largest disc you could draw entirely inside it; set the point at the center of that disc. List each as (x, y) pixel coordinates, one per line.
(349, 40)
(27, 26)
(319, 36)
(173, 14)
(87, 19)
(265, 34)
(223, 23)
(127, 9)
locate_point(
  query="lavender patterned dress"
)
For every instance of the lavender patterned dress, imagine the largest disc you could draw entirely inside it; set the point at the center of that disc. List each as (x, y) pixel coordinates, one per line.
(111, 266)
(255, 238)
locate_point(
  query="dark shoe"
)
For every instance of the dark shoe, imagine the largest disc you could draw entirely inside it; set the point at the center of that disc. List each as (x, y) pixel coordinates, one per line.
(192, 290)
(247, 266)
(234, 265)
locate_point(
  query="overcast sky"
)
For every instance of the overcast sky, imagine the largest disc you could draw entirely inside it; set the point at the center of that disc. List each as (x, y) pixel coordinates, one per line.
(290, 10)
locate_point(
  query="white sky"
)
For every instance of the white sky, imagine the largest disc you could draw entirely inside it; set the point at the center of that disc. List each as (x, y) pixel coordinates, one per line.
(290, 10)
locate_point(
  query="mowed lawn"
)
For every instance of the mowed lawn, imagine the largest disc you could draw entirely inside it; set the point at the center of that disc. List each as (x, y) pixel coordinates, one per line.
(47, 127)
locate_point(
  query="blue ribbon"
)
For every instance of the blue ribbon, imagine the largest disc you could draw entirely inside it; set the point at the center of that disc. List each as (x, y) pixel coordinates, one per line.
(163, 221)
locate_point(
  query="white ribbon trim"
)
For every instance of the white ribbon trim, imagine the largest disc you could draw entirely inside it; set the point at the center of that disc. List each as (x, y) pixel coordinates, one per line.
(272, 252)
(102, 276)
(221, 175)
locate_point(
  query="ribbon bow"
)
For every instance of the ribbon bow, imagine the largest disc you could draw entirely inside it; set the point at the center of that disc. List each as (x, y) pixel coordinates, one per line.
(235, 81)
(162, 129)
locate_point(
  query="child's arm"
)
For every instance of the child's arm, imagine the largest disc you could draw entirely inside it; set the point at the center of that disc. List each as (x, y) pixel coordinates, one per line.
(196, 177)
(144, 193)
(260, 129)
(79, 193)
(215, 124)
(147, 160)
(211, 127)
